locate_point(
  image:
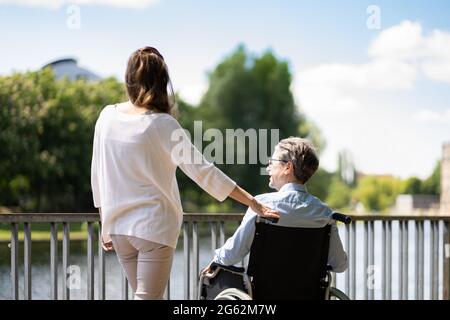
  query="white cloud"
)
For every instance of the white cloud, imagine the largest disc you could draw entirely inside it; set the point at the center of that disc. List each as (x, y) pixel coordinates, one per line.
(397, 59)
(433, 117)
(402, 41)
(406, 42)
(360, 106)
(379, 75)
(55, 4)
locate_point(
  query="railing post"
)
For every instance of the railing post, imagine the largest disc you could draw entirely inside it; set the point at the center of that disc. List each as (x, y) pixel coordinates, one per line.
(405, 260)
(446, 276)
(400, 259)
(53, 261)
(417, 258)
(14, 261)
(124, 286)
(435, 254)
(421, 261)
(222, 233)
(432, 261)
(347, 248)
(384, 263)
(353, 260)
(366, 259)
(167, 292)
(27, 261)
(372, 256)
(101, 265)
(65, 261)
(213, 236)
(195, 260)
(389, 260)
(90, 261)
(186, 249)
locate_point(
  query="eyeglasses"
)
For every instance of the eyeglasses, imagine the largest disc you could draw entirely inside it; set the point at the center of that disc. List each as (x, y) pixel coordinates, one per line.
(271, 160)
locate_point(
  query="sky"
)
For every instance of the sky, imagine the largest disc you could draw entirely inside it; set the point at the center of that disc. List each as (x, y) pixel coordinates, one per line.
(374, 76)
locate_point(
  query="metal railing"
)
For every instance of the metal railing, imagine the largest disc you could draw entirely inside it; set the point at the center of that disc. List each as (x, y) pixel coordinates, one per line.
(415, 239)
(369, 241)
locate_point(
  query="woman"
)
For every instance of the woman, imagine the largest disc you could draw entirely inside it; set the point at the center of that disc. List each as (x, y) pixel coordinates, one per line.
(136, 152)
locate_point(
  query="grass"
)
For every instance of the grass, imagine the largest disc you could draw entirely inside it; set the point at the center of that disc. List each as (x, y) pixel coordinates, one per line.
(41, 235)
(41, 232)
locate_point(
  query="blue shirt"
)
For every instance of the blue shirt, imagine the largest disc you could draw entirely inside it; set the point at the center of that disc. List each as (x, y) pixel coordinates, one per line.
(297, 208)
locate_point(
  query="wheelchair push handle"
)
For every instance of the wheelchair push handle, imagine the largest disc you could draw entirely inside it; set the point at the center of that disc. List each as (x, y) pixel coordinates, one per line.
(341, 217)
(273, 220)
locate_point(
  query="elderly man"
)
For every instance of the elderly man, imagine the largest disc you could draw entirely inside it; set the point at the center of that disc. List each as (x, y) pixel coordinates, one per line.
(293, 163)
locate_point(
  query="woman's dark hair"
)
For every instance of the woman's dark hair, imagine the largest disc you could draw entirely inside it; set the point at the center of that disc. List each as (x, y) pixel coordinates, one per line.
(147, 81)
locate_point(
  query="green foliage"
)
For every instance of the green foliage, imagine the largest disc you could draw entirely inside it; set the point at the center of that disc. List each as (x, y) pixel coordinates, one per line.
(46, 138)
(412, 185)
(47, 129)
(339, 194)
(251, 92)
(377, 193)
(432, 185)
(319, 183)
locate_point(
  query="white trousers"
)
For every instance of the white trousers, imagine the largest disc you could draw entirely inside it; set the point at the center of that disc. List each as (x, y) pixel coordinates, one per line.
(146, 265)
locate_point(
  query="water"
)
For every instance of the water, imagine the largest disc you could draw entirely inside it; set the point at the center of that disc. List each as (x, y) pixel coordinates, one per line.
(113, 278)
(340, 280)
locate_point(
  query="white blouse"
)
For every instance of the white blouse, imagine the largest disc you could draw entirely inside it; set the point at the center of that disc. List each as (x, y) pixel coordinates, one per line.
(133, 180)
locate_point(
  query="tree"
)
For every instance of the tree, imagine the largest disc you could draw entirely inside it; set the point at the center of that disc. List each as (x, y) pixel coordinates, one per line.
(47, 129)
(319, 184)
(412, 185)
(377, 193)
(346, 168)
(432, 185)
(46, 136)
(339, 194)
(250, 92)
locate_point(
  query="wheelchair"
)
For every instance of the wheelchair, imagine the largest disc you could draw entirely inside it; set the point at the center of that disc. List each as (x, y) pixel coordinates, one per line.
(274, 272)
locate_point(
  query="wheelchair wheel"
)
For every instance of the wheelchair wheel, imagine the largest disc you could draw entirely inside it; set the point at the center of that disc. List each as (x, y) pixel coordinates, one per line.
(336, 294)
(232, 294)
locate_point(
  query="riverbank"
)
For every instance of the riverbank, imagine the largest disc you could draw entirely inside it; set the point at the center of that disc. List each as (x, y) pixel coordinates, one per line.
(79, 232)
(41, 235)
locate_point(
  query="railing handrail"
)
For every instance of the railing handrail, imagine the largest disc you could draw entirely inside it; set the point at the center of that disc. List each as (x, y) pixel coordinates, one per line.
(93, 217)
(198, 217)
(439, 224)
(397, 217)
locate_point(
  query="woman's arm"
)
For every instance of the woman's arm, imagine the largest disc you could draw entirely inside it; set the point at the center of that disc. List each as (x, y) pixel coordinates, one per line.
(176, 143)
(107, 246)
(247, 199)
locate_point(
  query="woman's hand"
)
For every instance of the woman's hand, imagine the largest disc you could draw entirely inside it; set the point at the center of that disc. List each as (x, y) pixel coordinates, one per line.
(247, 199)
(264, 211)
(107, 246)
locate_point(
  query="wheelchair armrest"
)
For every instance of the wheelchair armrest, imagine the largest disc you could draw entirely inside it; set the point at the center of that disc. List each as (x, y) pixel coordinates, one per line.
(214, 265)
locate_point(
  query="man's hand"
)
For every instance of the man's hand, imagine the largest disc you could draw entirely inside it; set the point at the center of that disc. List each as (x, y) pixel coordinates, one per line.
(207, 269)
(264, 211)
(107, 246)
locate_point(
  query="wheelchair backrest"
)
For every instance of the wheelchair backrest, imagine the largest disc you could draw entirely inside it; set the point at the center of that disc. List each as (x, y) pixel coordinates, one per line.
(288, 262)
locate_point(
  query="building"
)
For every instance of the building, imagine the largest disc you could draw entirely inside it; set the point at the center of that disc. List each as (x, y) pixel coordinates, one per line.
(407, 203)
(445, 179)
(69, 68)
